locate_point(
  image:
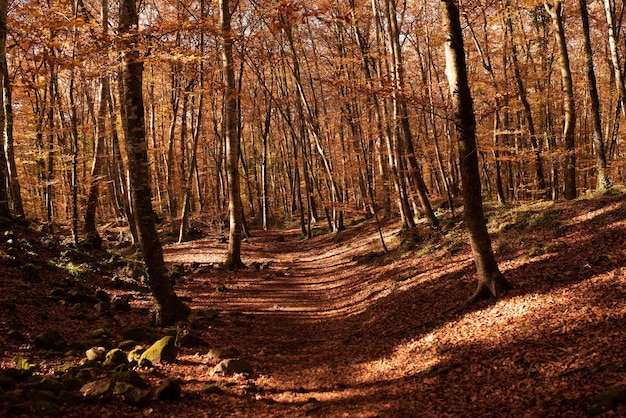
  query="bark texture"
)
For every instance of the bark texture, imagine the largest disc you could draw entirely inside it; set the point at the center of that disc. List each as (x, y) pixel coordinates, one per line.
(490, 279)
(169, 309)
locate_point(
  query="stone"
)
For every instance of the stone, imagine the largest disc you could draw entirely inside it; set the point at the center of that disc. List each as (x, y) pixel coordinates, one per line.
(95, 353)
(103, 295)
(36, 395)
(219, 353)
(99, 390)
(50, 340)
(135, 353)
(50, 385)
(45, 409)
(23, 364)
(115, 357)
(133, 395)
(168, 390)
(30, 273)
(233, 366)
(131, 377)
(120, 304)
(163, 350)
(127, 345)
(186, 337)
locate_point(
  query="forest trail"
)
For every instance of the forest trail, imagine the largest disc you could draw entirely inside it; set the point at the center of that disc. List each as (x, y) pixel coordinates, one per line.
(334, 328)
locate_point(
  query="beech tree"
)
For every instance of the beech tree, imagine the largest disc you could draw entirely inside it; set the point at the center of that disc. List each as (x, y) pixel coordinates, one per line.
(230, 131)
(4, 174)
(169, 308)
(490, 279)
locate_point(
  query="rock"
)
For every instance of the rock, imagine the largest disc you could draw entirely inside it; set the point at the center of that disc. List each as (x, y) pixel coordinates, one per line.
(96, 353)
(127, 345)
(50, 385)
(36, 395)
(133, 395)
(135, 353)
(115, 357)
(100, 390)
(233, 366)
(140, 333)
(219, 354)
(103, 295)
(131, 377)
(120, 304)
(168, 390)
(186, 337)
(608, 400)
(45, 409)
(23, 364)
(50, 340)
(212, 388)
(163, 350)
(102, 342)
(17, 336)
(30, 273)
(100, 333)
(102, 307)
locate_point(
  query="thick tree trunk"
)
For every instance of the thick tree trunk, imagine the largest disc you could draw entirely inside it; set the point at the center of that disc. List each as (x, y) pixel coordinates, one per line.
(569, 108)
(233, 257)
(490, 280)
(603, 181)
(169, 309)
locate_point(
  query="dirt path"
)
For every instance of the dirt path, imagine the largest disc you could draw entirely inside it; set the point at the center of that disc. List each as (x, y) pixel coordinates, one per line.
(333, 330)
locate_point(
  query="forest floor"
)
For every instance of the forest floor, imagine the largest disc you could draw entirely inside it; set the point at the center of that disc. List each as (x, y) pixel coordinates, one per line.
(333, 327)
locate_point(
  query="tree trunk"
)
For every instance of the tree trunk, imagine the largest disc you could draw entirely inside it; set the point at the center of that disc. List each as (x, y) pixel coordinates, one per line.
(169, 309)
(4, 171)
(233, 257)
(490, 280)
(569, 108)
(603, 181)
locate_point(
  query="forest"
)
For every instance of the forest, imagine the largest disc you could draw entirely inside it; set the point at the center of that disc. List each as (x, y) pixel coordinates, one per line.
(312, 208)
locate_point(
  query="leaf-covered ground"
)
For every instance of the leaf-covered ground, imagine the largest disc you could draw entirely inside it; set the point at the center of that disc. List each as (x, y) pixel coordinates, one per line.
(333, 327)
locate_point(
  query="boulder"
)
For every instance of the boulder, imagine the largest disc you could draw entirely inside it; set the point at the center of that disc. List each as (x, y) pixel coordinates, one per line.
(233, 366)
(168, 390)
(99, 390)
(133, 395)
(131, 377)
(163, 350)
(96, 353)
(50, 340)
(186, 337)
(115, 357)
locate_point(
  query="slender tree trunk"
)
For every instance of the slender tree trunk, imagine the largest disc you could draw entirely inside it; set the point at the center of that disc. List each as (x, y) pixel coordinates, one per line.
(490, 280)
(5, 211)
(555, 10)
(613, 49)
(169, 309)
(233, 257)
(603, 181)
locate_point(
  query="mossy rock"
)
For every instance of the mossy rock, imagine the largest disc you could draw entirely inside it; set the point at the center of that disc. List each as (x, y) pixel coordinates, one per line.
(133, 395)
(100, 333)
(101, 342)
(141, 333)
(135, 354)
(233, 366)
(186, 337)
(222, 353)
(23, 364)
(131, 377)
(50, 340)
(127, 345)
(51, 385)
(115, 358)
(37, 395)
(168, 390)
(45, 409)
(72, 383)
(164, 350)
